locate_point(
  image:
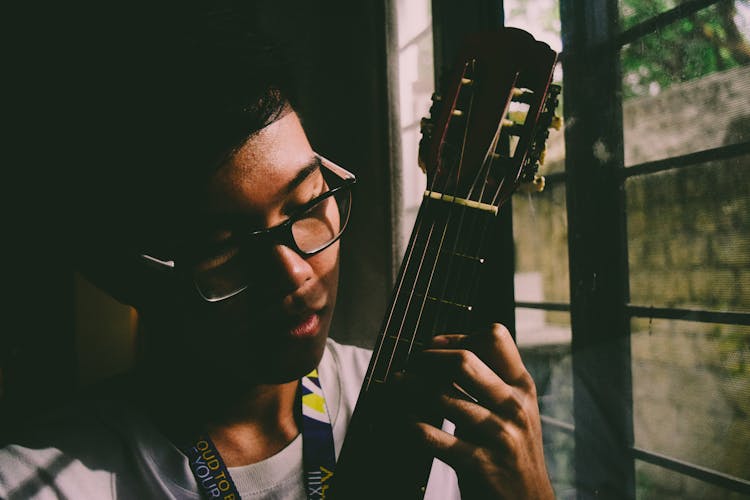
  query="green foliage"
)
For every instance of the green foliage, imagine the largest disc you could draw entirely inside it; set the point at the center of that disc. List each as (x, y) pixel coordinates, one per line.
(702, 43)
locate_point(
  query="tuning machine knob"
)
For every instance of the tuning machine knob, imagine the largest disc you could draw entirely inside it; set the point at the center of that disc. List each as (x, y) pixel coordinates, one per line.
(426, 126)
(534, 186)
(556, 123)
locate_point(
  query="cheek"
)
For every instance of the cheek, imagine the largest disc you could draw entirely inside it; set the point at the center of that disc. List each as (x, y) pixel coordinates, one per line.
(326, 267)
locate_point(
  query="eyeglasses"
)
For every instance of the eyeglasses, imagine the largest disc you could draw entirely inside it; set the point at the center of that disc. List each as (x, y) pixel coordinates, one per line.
(308, 231)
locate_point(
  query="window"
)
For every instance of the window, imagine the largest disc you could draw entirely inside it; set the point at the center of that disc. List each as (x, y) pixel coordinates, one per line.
(632, 270)
(416, 85)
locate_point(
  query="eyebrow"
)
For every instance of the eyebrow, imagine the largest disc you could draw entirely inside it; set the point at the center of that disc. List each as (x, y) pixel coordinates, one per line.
(313, 165)
(231, 220)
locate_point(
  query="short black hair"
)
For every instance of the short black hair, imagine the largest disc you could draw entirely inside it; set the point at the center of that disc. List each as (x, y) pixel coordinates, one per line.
(160, 97)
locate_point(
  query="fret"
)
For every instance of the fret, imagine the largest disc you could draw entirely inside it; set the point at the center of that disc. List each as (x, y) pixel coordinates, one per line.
(371, 380)
(450, 303)
(411, 342)
(394, 355)
(478, 260)
(438, 261)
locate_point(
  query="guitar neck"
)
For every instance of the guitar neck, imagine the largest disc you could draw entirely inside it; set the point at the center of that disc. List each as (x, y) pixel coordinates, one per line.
(435, 294)
(475, 155)
(436, 285)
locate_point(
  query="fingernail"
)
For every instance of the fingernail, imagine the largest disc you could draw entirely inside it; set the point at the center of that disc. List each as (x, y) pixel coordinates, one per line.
(440, 341)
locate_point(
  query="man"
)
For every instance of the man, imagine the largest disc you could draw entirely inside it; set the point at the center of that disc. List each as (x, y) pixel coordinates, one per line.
(223, 232)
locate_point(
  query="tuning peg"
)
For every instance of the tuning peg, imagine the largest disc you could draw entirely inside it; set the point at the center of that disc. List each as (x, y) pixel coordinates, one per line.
(556, 123)
(521, 95)
(457, 112)
(436, 97)
(466, 81)
(422, 165)
(535, 186)
(426, 126)
(511, 127)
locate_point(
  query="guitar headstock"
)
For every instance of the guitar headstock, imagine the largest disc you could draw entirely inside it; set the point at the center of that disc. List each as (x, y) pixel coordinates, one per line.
(488, 125)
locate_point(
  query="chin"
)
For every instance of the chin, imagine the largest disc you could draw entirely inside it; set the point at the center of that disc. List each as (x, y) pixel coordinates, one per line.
(277, 362)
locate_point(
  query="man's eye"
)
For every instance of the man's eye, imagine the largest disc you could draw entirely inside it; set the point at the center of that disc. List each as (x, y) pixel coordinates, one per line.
(297, 202)
(217, 257)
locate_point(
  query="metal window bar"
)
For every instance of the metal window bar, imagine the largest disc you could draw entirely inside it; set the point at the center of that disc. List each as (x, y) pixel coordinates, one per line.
(602, 384)
(680, 466)
(687, 160)
(697, 315)
(683, 314)
(659, 21)
(648, 26)
(416, 38)
(696, 471)
(558, 424)
(554, 178)
(547, 306)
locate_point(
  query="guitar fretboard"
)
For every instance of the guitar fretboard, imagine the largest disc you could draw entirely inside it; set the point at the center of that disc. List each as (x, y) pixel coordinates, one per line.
(436, 286)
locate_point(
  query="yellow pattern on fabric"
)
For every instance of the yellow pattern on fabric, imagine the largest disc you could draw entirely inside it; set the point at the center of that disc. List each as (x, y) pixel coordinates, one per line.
(314, 401)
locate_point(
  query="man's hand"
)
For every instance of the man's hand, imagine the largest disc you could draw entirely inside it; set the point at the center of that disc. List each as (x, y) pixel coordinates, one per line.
(480, 383)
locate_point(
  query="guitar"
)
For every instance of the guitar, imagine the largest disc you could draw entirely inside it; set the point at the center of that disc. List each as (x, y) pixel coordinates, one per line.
(477, 148)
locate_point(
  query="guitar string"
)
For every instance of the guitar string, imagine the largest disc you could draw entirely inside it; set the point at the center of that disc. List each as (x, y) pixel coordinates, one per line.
(416, 233)
(397, 293)
(451, 210)
(467, 251)
(405, 315)
(470, 290)
(463, 211)
(442, 295)
(486, 168)
(440, 248)
(499, 190)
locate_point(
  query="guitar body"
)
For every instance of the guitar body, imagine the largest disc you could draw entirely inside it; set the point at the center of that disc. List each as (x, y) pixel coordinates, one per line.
(475, 157)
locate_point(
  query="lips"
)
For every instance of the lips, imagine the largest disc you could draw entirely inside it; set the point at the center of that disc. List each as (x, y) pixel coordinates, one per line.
(307, 325)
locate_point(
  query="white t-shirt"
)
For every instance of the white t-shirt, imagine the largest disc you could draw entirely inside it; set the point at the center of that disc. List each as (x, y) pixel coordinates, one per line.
(107, 450)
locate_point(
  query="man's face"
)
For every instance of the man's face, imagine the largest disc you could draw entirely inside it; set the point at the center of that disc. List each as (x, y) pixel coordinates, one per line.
(275, 330)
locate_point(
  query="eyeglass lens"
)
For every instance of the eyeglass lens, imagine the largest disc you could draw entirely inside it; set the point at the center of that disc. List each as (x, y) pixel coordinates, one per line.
(312, 231)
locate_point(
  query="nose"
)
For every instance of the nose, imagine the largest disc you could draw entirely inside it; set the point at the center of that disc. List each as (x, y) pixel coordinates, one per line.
(294, 270)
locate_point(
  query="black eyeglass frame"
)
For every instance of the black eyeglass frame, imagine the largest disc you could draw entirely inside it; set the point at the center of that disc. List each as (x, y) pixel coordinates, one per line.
(281, 233)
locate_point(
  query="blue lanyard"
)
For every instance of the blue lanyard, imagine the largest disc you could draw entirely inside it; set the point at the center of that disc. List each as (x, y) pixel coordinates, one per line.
(318, 453)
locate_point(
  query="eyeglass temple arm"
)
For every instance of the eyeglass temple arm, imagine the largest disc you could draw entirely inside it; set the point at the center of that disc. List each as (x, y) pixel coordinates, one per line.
(158, 263)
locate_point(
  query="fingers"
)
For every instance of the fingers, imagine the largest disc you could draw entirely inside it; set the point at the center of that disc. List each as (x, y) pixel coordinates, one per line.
(442, 368)
(496, 348)
(444, 446)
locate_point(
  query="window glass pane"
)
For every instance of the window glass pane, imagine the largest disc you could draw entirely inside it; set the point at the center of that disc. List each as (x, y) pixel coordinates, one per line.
(691, 395)
(686, 88)
(708, 41)
(689, 236)
(540, 231)
(544, 342)
(416, 85)
(541, 18)
(633, 12)
(539, 220)
(656, 483)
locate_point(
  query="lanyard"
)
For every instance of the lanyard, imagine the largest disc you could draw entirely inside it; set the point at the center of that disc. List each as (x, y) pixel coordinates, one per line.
(318, 453)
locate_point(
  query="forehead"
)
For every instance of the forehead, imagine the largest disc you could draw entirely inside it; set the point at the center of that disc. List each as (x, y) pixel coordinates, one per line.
(258, 175)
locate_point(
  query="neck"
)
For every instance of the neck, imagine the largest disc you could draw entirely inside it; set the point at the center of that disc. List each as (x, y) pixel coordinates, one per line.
(247, 422)
(258, 425)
